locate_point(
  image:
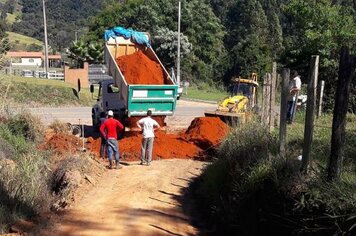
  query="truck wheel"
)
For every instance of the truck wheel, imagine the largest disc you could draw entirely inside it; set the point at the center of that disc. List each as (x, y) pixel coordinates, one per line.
(96, 127)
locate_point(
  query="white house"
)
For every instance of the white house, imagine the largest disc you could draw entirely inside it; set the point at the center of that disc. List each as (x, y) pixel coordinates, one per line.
(25, 58)
(35, 59)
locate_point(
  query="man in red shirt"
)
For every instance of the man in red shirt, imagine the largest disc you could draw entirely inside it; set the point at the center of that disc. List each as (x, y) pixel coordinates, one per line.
(108, 130)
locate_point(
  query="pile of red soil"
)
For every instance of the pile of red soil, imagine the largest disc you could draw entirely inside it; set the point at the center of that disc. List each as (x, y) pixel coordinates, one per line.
(166, 146)
(62, 143)
(203, 133)
(206, 132)
(137, 68)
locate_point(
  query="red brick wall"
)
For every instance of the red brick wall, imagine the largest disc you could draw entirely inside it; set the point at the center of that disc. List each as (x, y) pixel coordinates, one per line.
(71, 76)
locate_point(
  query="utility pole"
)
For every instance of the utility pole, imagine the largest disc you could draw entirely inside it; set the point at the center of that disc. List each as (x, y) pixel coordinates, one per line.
(45, 35)
(178, 51)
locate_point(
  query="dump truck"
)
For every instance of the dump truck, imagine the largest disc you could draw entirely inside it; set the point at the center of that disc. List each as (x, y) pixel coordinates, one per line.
(240, 104)
(132, 100)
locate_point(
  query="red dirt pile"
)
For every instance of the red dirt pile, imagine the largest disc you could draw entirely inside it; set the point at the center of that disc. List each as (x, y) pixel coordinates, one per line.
(166, 146)
(139, 69)
(62, 143)
(203, 133)
(206, 132)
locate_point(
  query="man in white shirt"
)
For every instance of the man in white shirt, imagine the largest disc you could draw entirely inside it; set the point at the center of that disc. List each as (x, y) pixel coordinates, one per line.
(295, 85)
(148, 126)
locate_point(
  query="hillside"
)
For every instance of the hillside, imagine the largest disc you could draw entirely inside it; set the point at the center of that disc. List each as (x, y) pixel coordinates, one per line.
(64, 18)
(21, 42)
(41, 92)
(10, 10)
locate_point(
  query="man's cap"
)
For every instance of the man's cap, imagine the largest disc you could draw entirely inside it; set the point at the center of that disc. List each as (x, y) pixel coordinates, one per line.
(110, 113)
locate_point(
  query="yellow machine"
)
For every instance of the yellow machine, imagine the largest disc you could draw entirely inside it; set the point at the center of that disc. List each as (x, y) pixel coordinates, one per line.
(243, 101)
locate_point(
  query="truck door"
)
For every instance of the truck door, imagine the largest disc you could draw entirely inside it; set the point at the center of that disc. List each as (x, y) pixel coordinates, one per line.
(111, 98)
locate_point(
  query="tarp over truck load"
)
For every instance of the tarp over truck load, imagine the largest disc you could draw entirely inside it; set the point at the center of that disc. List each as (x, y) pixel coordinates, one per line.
(160, 98)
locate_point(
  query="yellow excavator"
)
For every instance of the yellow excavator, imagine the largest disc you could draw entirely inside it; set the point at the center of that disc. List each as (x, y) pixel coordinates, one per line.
(237, 108)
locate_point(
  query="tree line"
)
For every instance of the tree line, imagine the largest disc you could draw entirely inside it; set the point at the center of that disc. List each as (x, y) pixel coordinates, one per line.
(225, 38)
(221, 38)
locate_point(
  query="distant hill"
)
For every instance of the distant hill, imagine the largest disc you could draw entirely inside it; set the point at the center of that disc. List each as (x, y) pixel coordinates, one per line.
(21, 42)
(65, 19)
(10, 10)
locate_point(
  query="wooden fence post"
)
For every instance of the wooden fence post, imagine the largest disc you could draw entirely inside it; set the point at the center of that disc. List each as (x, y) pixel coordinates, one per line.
(283, 112)
(310, 112)
(346, 73)
(320, 107)
(266, 99)
(273, 97)
(263, 105)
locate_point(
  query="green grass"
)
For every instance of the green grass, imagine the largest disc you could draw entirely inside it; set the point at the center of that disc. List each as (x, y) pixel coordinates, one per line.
(10, 18)
(250, 187)
(21, 42)
(41, 92)
(321, 137)
(204, 92)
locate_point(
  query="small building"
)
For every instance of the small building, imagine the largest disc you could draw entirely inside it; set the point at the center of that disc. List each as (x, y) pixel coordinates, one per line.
(25, 58)
(35, 59)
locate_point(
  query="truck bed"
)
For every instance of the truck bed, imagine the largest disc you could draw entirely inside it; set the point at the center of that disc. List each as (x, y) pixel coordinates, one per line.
(139, 98)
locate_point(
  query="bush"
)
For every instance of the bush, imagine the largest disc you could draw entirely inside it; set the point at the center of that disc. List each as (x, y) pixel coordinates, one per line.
(19, 143)
(24, 188)
(58, 126)
(249, 190)
(26, 125)
(243, 159)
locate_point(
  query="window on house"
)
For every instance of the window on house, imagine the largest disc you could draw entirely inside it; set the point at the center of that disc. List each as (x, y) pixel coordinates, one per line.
(31, 60)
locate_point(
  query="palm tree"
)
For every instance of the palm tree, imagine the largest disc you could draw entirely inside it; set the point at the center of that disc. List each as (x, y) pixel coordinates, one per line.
(78, 52)
(95, 53)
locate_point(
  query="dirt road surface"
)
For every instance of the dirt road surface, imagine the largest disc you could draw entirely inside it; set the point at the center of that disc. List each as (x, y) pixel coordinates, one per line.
(135, 200)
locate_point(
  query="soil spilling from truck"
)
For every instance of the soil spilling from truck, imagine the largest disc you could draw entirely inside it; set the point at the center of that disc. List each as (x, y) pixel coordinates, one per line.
(137, 68)
(204, 134)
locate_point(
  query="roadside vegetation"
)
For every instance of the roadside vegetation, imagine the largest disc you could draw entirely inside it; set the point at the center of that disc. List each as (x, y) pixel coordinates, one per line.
(32, 179)
(41, 92)
(205, 91)
(250, 190)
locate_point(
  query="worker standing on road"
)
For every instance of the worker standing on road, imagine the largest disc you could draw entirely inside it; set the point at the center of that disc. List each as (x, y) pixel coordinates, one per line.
(295, 85)
(109, 131)
(103, 149)
(148, 126)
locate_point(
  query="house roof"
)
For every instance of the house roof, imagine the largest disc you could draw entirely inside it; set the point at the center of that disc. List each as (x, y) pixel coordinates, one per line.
(55, 56)
(25, 54)
(32, 55)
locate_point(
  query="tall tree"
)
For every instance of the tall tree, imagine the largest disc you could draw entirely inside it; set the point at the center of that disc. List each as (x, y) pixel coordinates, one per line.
(4, 42)
(167, 46)
(318, 28)
(247, 41)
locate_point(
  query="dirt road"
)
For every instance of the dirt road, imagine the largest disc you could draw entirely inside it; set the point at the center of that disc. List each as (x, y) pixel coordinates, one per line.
(136, 200)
